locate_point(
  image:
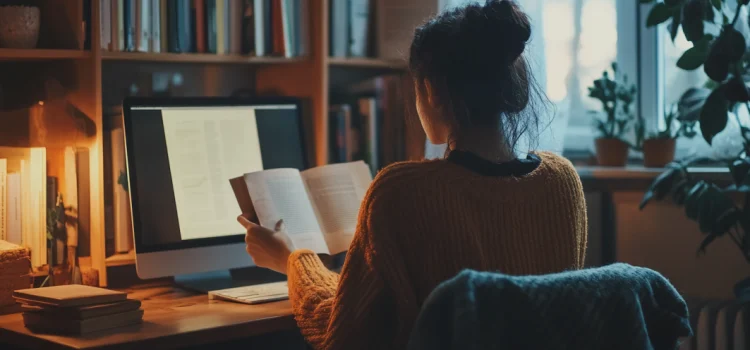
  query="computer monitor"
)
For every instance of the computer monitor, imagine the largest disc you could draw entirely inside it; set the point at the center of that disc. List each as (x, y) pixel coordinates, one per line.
(181, 153)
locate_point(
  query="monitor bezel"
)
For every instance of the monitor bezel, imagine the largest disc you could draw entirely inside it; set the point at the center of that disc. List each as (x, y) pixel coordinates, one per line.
(131, 165)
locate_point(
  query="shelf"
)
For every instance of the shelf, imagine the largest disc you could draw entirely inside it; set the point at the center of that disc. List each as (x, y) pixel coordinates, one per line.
(122, 259)
(195, 58)
(366, 63)
(42, 54)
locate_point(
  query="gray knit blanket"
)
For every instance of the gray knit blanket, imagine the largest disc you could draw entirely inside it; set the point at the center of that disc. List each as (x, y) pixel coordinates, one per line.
(607, 308)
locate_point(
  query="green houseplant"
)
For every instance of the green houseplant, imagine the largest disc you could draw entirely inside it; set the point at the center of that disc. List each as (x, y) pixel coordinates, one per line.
(721, 212)
(679, 121)
(617, 98)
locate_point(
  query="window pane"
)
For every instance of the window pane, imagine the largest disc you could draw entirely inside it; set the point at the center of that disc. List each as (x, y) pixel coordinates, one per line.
(580, 41)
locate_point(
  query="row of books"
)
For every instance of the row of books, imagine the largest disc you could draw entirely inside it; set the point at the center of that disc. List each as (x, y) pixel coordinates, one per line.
(246, 27)
(28, 194)
(368, 121)
(23, 187)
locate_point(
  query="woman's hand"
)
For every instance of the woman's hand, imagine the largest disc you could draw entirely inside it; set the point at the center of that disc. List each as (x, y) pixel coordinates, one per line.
(269, 249)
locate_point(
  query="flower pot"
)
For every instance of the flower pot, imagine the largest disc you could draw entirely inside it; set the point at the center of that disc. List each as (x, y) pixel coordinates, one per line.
(611, 152)
(658, 152)
(19, 27)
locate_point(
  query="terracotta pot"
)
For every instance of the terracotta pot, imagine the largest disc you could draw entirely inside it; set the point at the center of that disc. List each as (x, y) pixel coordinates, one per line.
(658, 152)
(611, 152)
(19, 27)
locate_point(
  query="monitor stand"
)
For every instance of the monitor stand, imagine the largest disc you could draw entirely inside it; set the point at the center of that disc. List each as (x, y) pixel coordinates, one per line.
(223, 279)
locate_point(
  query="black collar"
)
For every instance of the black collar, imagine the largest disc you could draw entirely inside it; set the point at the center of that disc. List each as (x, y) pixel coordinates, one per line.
(516, 167)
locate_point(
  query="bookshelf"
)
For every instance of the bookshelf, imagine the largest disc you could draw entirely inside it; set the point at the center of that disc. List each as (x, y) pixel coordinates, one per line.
(95, 80)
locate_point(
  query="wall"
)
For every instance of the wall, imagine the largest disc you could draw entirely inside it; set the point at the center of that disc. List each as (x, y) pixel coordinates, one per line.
(662, 238)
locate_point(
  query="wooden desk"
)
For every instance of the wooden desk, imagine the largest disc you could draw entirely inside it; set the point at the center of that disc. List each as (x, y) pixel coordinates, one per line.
(173, 318)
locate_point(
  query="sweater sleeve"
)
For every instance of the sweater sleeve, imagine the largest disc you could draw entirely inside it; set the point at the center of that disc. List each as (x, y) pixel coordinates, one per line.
(346, 311)
(332, 311)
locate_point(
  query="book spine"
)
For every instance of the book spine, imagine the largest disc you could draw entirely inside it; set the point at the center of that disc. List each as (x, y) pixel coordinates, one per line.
(172, 36)
(211, 27)
(105, 30)
(123, 234)
(114, 24)
(268, 27)
(300, 8)
(200, 25)
(259, 27)
(164, 23)
(227, 27)
(221, 49)
(359, 17)
(339, 27)
(286, 28)
(248, 28)
(155, 26)
(277, 22)
(235, 25)
(121, 27)
(83, 174)
(13, 203)
(39, 189)
(4, 199)
(130, 19)
(144, 26)
(185, 27)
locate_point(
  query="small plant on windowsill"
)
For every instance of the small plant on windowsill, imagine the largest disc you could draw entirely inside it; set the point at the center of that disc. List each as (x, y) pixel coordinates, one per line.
(721, 212)
(680, 121)
(617, 98)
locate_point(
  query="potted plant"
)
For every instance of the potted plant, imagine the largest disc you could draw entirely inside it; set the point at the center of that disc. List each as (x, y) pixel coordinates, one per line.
(679, 120)
(616, 98)
(721, 212)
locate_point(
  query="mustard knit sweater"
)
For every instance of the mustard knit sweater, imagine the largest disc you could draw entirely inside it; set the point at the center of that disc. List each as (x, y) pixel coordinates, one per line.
(421, 223)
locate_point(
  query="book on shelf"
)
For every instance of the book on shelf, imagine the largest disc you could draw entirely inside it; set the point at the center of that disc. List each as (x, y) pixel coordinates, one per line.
(123, 233)
(13, 209)
(319, 206)
(3, 199)
(339, 33)
(28, 180)
(359, 17)
(83, 186)
(227, 27)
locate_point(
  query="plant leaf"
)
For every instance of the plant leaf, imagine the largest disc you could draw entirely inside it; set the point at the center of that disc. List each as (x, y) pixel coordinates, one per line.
(695, 56)
(693, 14)
(659, 14)
(661, 186)
(674, 27)
(717, 4)
(714, 115)
(740, 169)
(690, 104)
(692, 201)
(646, 1)
(706, 241)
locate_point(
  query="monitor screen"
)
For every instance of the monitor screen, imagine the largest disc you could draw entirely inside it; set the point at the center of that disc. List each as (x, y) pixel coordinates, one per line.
(180, 160)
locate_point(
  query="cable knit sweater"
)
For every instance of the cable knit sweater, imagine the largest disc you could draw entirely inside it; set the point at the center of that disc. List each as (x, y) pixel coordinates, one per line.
(420, 224)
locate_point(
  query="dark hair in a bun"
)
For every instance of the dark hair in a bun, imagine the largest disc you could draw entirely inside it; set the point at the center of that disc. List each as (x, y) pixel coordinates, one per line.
(473, 58)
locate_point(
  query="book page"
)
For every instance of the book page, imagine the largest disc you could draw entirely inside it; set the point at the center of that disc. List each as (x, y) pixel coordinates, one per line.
(336, 192)
(205, 148)
(281, 194)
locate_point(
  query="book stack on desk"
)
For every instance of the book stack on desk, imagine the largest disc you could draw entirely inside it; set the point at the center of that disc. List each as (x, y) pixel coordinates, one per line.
(76, 309)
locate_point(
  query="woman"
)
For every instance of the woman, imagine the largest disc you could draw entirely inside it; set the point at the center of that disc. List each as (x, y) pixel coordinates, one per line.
(423, 222)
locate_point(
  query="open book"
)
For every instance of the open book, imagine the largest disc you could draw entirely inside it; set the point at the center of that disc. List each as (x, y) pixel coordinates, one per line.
(319, 206)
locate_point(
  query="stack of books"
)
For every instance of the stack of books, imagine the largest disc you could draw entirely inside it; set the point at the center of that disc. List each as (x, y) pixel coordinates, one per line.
(76, 309)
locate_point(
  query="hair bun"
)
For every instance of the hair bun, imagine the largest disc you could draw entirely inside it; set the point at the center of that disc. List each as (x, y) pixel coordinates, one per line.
(506, 20)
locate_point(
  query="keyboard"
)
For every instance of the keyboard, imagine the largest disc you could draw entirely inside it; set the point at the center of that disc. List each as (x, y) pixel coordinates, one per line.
(256, 294)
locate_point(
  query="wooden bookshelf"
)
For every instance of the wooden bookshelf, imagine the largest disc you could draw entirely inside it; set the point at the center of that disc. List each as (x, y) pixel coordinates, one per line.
(96, 80)
(42, 54)
(366, 63)
(195, 58)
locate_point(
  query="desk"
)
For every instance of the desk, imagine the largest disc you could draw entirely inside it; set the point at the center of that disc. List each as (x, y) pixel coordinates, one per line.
(173, 318)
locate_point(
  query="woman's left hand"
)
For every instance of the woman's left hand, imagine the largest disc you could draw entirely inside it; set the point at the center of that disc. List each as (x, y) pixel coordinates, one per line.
(269, 249)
